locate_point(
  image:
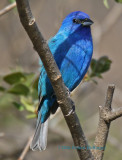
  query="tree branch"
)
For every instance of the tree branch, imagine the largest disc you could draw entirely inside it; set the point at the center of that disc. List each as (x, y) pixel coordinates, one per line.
(63, 98)
(7, 8)
(111, 115)
(106, 116)
(26, 149)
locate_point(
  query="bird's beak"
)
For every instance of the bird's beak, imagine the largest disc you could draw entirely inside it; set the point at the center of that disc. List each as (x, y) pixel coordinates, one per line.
(87, 22)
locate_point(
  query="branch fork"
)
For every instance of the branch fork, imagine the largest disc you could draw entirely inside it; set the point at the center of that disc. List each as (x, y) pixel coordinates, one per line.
(109, 116)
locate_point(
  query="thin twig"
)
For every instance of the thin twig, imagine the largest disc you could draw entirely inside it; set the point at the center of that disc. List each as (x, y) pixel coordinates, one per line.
(7, 8)
(103, 126)
(26, 149)
(63, 98)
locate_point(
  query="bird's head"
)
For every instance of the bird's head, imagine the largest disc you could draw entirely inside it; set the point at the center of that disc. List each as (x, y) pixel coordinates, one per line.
(76, 20)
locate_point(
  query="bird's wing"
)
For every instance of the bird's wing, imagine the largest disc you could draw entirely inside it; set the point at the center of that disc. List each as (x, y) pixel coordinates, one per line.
(70, 58)
(73, 66)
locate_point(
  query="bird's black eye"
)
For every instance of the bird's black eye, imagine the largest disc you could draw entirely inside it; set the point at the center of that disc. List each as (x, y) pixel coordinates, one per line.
(77, 21)
(74, 20)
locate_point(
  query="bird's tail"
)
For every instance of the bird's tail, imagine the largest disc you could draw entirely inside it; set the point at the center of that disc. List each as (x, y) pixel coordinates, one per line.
(39, 141)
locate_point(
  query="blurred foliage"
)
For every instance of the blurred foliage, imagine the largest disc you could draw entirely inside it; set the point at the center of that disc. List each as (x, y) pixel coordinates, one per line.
(106, 2)
(23, 87)
(98, 67)
(120, 1)
(11, 1)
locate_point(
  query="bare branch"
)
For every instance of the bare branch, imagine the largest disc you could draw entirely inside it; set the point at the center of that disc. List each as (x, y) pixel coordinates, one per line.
(63, 98)
(106, 116)
(112, 115)
(26, 149)
(103, 127)
(7, 8)
(109, 97)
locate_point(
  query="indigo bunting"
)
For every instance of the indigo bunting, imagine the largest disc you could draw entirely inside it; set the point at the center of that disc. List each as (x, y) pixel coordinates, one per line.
(72, 49)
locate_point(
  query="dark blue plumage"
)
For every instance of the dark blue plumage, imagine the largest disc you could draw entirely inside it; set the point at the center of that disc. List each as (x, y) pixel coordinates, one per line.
(72, 50)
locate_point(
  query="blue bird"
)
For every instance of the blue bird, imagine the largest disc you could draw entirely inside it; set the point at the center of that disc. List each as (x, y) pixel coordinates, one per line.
(72, 49)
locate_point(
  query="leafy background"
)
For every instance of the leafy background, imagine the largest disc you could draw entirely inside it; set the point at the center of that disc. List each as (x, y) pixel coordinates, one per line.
(19, 77)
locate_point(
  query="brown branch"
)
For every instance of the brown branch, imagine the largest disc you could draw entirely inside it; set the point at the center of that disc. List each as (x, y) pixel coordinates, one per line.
(26, 149)
(63, 98)
(111, 115)
(106, 116)
(7, 8)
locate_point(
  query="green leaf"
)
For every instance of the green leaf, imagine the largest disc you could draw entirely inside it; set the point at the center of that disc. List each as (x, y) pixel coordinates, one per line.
(34, 94)
(29, 107)
(120, 1)
(100, 66)
(19, 106)
(29, 79)
(106, 3)
(14, 78)
(30, 116)
(19, 89)
(103, 64)
(2, 89)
